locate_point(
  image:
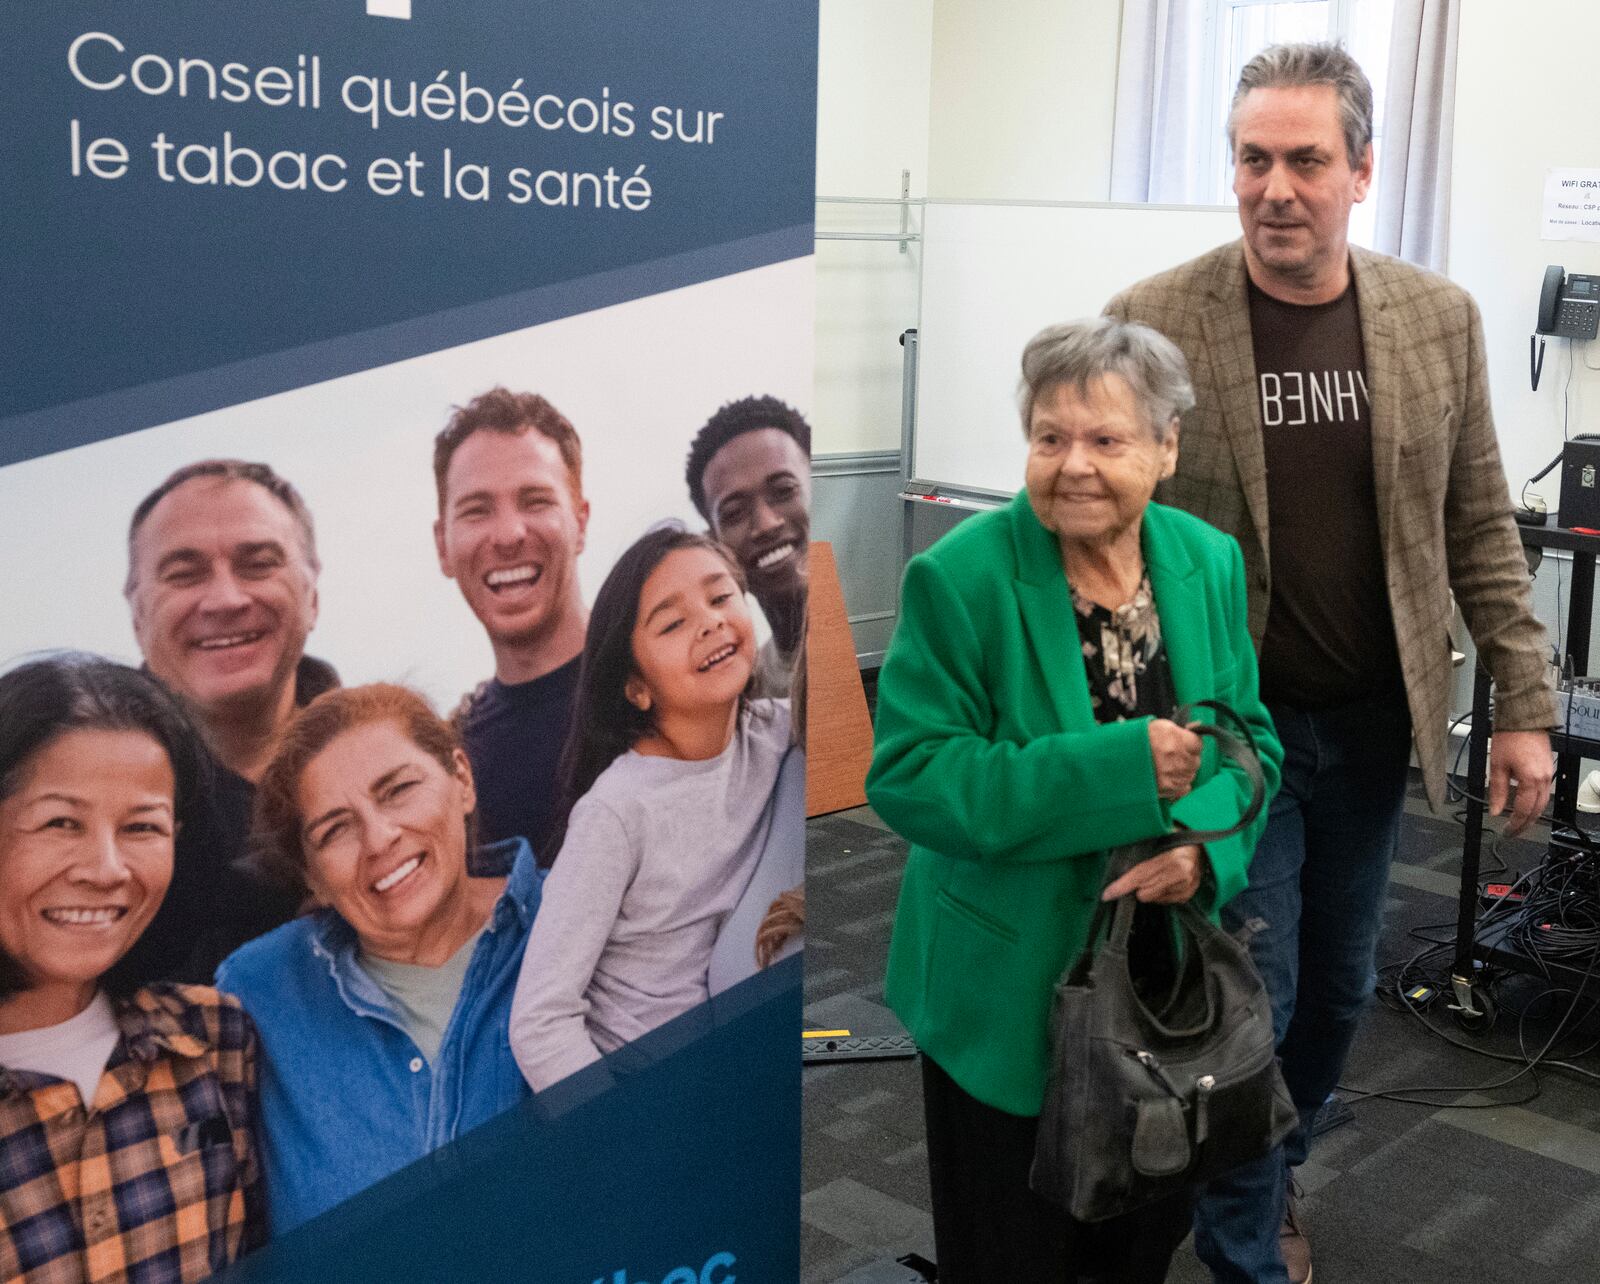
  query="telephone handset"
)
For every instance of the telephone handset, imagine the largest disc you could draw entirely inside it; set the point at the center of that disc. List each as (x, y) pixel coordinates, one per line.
(1569, 307)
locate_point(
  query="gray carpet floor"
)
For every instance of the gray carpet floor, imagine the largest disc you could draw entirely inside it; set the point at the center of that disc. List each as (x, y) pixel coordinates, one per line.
(1508, 1194)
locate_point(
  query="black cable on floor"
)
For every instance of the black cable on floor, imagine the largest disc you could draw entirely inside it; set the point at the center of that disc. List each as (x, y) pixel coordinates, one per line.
(1557, 922)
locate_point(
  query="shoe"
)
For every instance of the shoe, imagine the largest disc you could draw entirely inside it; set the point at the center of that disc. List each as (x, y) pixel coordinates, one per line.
(1292, 1241)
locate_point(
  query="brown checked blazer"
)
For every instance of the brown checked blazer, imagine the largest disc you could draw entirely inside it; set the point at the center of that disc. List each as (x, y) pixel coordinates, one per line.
(1444, 513)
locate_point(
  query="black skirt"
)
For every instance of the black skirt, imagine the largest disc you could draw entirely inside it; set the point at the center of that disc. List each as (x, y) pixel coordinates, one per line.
(990, 1228)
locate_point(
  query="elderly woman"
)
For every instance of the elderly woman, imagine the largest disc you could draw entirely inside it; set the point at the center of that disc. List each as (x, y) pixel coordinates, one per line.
(1023, 728)
(383, 1014)
(127, 1146)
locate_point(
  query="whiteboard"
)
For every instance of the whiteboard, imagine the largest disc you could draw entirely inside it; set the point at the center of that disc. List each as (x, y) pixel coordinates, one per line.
(993, 276)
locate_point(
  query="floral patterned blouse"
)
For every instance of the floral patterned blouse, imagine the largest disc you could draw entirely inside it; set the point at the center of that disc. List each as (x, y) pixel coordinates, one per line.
(1124, 657)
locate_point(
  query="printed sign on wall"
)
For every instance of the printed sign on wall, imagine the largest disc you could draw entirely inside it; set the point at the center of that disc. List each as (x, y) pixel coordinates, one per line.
(1572, 205)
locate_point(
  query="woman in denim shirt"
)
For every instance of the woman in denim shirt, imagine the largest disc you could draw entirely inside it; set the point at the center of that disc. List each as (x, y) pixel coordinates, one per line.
(383, 1014)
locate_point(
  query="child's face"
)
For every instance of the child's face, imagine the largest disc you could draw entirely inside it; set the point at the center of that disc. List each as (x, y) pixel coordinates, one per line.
(693, 643)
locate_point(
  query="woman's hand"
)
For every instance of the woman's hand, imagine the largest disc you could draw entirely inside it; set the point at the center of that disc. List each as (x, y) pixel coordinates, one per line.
(1176, 751)
(1168, 879)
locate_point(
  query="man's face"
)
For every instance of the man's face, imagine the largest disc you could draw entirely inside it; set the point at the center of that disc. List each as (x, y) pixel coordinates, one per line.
(758, 492)
(1295, 185)
(510, 534)
(223, 594)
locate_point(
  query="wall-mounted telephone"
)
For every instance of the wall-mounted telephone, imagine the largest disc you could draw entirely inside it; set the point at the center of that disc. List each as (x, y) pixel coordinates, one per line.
(1569, 307)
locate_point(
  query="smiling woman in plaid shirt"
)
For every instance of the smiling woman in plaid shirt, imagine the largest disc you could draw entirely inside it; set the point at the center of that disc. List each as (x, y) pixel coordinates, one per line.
(126, 1142)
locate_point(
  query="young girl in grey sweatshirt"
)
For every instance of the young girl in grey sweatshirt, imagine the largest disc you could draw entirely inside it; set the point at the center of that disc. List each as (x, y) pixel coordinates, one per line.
(668, 776)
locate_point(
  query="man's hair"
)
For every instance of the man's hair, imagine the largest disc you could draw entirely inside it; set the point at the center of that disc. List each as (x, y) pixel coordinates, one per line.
(277, 844)
(750, 414)
(1084, 352)
(226, 470)
(1286, 66)
(511, 414)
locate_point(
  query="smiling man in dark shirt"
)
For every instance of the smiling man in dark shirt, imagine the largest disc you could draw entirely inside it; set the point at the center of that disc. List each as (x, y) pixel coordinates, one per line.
(749, 474)
(512, 518)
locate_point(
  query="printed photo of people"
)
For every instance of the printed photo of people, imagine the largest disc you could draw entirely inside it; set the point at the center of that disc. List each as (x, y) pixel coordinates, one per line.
(386, 715)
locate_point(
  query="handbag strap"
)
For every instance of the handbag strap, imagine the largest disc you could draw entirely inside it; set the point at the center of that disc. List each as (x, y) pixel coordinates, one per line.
(1234, 741)
(1190, 973)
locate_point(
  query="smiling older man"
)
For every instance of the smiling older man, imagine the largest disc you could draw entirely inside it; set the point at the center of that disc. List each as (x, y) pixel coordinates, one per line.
(222, 584)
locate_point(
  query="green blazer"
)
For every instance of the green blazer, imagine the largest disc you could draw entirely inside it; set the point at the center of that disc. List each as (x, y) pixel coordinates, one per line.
(989, 760)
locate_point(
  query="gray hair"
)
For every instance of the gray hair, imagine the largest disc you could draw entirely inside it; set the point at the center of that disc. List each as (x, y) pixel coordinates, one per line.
(1083, 352)
(1286, 66)
(225, 470)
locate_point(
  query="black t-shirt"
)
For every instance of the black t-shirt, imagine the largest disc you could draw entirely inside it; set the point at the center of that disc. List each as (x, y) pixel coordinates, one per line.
(218, 898)
(514, 734)
(1330, 631)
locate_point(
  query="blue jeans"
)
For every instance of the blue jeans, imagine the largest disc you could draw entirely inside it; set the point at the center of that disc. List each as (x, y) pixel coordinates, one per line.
(1318, 883)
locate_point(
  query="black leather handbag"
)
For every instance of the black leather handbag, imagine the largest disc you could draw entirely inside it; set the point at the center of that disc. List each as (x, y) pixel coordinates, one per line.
(1161, 1078)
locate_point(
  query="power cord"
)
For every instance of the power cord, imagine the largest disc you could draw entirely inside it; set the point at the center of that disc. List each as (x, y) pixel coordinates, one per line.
(1556, 922)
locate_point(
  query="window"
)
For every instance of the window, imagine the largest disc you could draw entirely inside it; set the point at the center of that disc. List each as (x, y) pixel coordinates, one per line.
(1237, 30)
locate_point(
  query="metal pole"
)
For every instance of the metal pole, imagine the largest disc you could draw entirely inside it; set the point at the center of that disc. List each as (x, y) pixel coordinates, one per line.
(908, 434)
(905, 208)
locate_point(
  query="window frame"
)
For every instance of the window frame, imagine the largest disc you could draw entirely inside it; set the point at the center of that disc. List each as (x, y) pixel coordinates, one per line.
(1220, 76)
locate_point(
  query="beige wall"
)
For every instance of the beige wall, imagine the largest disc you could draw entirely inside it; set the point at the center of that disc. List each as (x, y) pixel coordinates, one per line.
(1023, 93)
(872, 123)
(1007, 101)
(872, 96)
(1516, 117)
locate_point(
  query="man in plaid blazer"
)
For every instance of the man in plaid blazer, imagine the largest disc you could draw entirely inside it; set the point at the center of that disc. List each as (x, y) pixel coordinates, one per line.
(1343, 436)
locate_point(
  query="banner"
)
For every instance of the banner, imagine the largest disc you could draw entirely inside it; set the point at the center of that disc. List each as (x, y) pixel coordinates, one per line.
(414, 395)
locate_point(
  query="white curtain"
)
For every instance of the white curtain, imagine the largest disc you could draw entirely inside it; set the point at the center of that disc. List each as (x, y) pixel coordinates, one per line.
(1157, 152)
(1419, 125)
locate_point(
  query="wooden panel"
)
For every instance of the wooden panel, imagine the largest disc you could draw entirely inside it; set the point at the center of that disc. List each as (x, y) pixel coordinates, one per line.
(838, 727)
